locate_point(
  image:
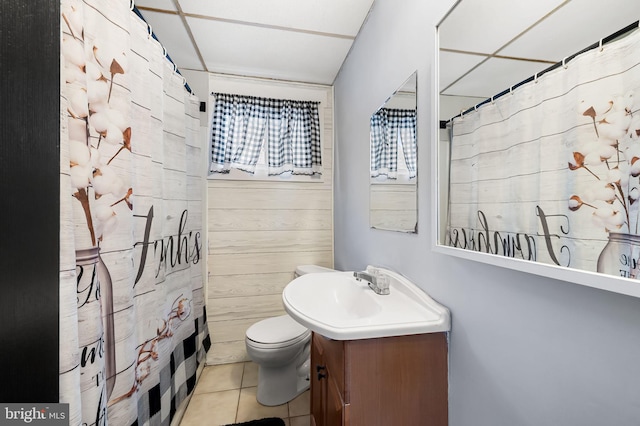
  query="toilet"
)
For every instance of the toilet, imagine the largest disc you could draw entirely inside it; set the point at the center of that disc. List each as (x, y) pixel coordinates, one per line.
(281, 347)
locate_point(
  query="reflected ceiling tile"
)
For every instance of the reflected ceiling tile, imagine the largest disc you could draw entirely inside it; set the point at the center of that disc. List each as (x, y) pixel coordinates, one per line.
(450, 106)
(495, 76)
(573, 27)
(157, 4)
(263, 52)
(454, 65)
(481, 26)
(328, 16)
(170, 31)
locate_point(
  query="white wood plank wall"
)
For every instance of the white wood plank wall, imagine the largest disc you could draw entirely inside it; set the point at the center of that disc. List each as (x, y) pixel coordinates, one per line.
(259, 231)
(394, 207)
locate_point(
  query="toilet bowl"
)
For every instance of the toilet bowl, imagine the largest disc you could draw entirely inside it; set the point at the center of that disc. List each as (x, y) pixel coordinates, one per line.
(281, 347)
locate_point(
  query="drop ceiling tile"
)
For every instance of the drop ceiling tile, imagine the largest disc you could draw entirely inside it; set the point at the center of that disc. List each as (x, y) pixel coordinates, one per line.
(263, 52)
(573, 27)
(170, 31)
(494, 76)
(156, 4)
(330, 16)
(481, 26)
(452, 66)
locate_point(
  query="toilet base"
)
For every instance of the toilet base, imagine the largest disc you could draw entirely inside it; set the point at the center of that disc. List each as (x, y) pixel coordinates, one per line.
(277, 386)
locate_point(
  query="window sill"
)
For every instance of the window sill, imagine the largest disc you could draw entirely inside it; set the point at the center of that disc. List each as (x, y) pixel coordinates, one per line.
(399, 181)
(261, 175)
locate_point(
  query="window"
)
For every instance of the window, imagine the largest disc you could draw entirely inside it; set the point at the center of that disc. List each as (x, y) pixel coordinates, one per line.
(284, 133)
(393, 130)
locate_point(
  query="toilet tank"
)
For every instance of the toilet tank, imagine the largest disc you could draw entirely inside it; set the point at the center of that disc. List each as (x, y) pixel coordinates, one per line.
(307, 269)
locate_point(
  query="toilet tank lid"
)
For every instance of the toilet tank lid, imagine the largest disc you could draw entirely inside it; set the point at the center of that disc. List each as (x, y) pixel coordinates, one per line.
(307, 269)
(276, 330)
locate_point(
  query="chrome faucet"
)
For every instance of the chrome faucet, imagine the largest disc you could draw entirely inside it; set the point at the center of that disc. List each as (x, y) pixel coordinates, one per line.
(377, 282)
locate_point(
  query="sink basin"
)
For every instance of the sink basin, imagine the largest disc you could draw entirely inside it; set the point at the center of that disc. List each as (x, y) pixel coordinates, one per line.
(340, 307)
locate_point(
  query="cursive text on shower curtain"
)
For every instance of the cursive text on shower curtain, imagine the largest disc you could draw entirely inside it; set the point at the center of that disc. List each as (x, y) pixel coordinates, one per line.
(187, 248)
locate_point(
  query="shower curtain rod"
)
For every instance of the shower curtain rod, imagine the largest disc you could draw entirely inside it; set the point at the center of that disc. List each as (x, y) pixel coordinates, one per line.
(166, 54)
(563, 63)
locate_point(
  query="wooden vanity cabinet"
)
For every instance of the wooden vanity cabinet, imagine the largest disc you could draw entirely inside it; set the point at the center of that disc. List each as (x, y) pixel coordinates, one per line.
(387, 381)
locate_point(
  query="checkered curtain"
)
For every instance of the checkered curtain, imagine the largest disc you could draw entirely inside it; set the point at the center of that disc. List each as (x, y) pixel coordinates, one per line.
(388, 126)
(289, 129)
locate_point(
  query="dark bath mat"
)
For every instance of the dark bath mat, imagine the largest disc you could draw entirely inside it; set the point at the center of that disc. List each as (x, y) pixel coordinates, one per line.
(271, 421)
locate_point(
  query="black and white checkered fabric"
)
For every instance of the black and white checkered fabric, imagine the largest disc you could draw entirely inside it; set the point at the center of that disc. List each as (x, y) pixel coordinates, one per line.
(290, 129)
(177, 379)
(388, 126)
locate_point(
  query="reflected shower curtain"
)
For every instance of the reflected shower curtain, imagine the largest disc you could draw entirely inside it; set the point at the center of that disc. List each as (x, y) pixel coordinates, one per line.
(550, 171)
(132, 316)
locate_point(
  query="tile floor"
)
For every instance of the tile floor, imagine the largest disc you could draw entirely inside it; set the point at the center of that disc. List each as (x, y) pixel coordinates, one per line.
(227, 394)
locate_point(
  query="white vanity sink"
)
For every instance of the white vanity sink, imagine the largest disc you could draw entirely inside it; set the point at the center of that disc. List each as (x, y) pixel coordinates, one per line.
(340, 307)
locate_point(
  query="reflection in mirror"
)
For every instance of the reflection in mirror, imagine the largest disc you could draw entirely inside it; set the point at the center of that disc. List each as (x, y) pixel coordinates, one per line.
(393, 171)
(548, 64)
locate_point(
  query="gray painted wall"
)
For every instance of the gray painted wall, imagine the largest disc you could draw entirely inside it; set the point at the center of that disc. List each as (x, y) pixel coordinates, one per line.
(524, 350)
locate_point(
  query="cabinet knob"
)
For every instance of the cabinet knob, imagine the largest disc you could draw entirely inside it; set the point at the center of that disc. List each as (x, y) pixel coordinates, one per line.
(320, 368)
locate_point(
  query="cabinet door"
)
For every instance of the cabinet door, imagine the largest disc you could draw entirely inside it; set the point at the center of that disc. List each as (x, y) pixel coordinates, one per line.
(318, 383)
(335, 404)
(327, 387)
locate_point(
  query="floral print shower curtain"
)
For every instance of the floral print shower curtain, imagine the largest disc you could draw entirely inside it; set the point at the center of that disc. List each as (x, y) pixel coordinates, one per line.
(550, 171)
(132, 315)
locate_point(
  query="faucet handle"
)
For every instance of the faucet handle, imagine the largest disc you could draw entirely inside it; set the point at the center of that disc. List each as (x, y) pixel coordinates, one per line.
(383, 283)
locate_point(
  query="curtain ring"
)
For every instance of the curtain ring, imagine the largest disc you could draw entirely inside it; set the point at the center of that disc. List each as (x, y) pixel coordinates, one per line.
(462, 113)
(493, 100)
(511, 90)
(164, 51)
(535, 78)
(175, 68)
(149, 31)
(132, 5)
(564, 63)
(600, 45)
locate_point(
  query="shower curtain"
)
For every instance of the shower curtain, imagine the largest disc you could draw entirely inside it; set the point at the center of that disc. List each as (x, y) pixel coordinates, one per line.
(132, 315)
(549, 171)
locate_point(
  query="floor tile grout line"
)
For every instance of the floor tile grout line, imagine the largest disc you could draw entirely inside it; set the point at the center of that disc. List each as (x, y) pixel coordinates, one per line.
(247, 369)
(244, 369)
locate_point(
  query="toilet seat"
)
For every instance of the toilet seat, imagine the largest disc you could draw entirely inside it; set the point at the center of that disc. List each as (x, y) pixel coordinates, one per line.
(277, 332)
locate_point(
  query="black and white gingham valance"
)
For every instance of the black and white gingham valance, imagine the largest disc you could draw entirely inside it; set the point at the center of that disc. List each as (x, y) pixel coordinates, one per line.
(289, 129)
(388, 126)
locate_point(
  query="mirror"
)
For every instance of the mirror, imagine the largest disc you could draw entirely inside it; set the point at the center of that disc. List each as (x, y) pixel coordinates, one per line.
(393, 161)
(476, 61)
(492, 53)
